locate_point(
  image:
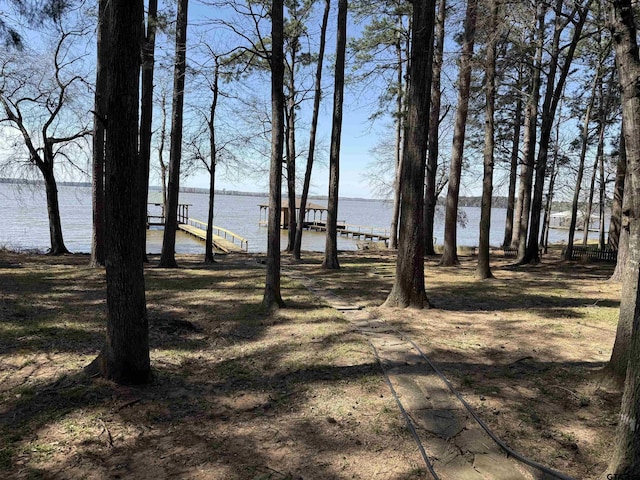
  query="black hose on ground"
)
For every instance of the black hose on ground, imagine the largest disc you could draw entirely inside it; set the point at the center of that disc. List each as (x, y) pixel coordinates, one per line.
(472, 412)
(406, 416)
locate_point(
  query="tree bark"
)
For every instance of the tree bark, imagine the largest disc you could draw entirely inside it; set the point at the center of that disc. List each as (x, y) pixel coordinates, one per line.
(291, 154)
(626, 455)
(594, 173)
(483, 270)
(430, 197)
(513, 170)
(450, 253)
(163, 166)
(168, 255)
(617, 366)
(124, 357)
(615, 223)
(622, 259)
(312, 133)
(53, 210)
(146, 113)
(393, 230)
(601, 199)
(272, 298)
(409, 286)
(331, 244)
(529, 139)
(544, 235)
(99, 118)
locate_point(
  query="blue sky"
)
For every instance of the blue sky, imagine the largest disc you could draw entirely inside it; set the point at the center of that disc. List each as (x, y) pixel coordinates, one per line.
(358, 135)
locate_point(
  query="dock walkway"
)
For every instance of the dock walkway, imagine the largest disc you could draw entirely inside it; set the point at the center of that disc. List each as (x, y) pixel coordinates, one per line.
(223, 239)
(353, 231)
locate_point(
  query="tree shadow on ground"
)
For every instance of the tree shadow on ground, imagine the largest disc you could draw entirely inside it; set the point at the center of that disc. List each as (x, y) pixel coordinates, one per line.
(233, 399)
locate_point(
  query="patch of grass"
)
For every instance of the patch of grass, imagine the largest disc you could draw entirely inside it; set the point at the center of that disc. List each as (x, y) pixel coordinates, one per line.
(24, 392)
(370, 383)
(6, 457)
(416, 472)
(236, 370)
(467, 380)
(43, 450)
(483, 389)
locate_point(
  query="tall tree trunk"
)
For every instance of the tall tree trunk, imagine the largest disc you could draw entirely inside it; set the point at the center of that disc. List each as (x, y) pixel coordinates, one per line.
(521, 215)
(99, 117)
(544, 236)
(625, 460)
(617, 365)
(618, 194)
(553, 95)
(483, 270)
(513, 170)
(272, 297)
(616, 368)
(393, 230)
(594, 173)
(450, 253)
(163, 166)
(146, 112)
(409, 287)
(601, 200)
(208, 248)
(430, 198)
(168, 255)
(622, 259)
(124, 357)
(53, 211)
(291, 153)
(529, 138)
(312, 133)
(568, 252)
(331, 244)
(291, 180)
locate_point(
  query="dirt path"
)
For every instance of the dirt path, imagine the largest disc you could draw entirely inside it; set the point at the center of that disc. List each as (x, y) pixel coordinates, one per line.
(452, 443)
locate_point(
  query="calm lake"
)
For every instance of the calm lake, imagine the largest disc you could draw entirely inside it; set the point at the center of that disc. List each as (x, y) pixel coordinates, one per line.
(24, 223)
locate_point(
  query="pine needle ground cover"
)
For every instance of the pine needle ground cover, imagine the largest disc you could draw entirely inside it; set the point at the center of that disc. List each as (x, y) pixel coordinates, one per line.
(240, 393)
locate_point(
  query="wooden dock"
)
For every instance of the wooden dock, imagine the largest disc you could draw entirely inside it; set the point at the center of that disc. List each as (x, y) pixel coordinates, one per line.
(354, 231)
(371, 234)
(224, 240)
(359, 232)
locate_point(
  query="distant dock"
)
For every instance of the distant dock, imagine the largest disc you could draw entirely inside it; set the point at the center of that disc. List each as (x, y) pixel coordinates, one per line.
(360, 232)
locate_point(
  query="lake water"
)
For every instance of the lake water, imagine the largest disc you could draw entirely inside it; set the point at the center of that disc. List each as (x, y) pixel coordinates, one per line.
(24, 222)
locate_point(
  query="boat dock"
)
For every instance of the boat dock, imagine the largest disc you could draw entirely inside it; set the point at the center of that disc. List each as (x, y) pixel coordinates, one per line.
(360, 232)
(224, 241)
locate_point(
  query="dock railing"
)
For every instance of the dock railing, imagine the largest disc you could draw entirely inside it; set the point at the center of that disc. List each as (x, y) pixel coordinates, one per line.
(221, 232)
